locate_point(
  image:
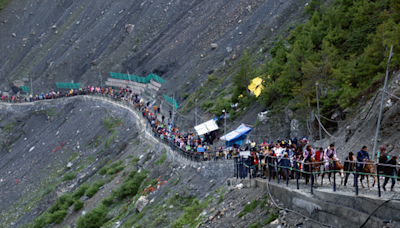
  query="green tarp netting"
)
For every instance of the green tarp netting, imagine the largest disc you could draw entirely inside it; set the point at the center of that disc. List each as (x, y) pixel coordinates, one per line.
(143, 80)
(171, 101)
(68, 85)
(25, 88)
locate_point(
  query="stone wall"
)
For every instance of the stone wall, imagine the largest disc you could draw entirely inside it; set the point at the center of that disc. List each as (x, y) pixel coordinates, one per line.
(337, 209)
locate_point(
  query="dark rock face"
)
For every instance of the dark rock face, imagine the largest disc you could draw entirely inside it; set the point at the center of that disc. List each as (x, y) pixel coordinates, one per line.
(64, 41)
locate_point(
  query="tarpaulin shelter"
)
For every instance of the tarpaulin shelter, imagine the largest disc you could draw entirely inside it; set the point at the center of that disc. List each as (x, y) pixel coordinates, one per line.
(206, 127)
(237, 136)
(256, 86)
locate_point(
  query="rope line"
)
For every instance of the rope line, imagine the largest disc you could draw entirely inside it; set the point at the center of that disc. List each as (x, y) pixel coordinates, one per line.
(322, 126)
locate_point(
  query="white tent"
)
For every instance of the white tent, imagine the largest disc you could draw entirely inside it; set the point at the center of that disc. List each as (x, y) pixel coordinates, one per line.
(206, 127)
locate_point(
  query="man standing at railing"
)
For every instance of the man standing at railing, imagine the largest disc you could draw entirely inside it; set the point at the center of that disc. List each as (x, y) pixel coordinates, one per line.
(330, 155)
(390, 171)
(362, 156)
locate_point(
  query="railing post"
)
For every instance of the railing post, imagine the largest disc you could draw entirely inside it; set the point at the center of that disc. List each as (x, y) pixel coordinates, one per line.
(287, 176)
(269, 168)
(312, 178)
(334, 177)
(379, 182)
(277, 170)
(356, 181)
(297, 174)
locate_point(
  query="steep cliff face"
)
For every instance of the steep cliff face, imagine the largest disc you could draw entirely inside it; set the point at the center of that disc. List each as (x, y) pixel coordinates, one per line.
(65, 40)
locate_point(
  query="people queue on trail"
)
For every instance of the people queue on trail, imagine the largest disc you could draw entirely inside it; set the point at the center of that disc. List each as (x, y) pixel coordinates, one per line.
(285, 153)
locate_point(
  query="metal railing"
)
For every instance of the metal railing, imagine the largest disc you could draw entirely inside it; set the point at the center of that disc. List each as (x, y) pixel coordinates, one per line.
(207, 156)
(297, 169)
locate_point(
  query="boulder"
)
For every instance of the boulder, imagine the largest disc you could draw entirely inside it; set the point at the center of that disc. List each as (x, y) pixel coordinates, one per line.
(214, 46)
(129, 28)
(294, 128)
(69, 165)
(141, 203)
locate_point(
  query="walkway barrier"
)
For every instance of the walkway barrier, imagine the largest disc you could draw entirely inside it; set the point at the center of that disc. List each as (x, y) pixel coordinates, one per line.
(289, 169)
(207, 156)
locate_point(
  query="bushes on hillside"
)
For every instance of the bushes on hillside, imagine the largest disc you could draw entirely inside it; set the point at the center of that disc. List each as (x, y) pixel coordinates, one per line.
(80, 191)
(94, 188)
(93, 219)
(56, 213)
(112, 169)
(130, 186)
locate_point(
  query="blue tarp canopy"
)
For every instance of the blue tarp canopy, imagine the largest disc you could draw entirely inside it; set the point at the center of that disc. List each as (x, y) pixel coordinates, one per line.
(237, 136)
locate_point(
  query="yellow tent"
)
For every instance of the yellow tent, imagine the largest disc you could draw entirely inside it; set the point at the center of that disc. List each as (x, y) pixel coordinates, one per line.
(256, 86)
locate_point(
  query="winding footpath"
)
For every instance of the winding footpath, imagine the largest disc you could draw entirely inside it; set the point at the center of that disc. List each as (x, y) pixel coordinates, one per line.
(224, 167)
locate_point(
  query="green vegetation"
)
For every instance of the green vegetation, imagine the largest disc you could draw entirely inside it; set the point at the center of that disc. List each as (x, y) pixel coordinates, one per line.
(162, 158)
(221, 195)
(68, 176)
(134, 160)
(343, 47)
(80, 191)
(108, 201)
(271, 218)
(9, 127)
(98, 141)
(190, 214)
(3, 3)
(112, 169)
(185, 95)
(248, 208)
(255, 225)
(78, 205)
(56, 212)
(93, 219)
(94, 188)
(130, 186)
(108, 141)
(51, 112)
(110, 123)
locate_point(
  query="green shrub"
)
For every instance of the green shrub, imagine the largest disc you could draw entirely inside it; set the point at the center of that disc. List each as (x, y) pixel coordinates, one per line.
(58, 216)
(207, 104)
(255, 225)
(112, 169)
(94, 188)
(185, 95)
(93, 219)
(56, 213)
(130, 186)
(271, 218)
(108, 201)
(248, 208)
(78, 205)
(80, 191)
(62, 203)
(68, 176)
(190, 214)
(162, 158)
(221, 197)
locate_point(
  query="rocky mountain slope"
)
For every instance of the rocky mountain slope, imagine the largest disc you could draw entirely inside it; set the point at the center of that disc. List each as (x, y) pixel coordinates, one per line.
(69, 41)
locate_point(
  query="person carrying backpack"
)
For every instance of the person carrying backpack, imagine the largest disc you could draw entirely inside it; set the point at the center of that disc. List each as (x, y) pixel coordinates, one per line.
(390, 171)
(349, 166)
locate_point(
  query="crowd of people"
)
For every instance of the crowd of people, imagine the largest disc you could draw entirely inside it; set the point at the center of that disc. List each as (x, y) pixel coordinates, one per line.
(284, 154)
(293, 154)
(189, 143)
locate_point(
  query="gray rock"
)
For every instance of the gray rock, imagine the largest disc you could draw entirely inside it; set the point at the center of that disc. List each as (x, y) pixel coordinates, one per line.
(13, 34)
(129, 28)
(82, 176)
(141, 203)
(69, 165)
(214, 46)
